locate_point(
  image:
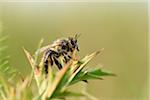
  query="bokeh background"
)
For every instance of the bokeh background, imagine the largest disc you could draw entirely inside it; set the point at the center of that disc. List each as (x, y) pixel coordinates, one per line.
(120, 28)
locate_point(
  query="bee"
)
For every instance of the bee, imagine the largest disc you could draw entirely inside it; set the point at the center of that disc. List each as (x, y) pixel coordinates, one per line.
(60, 48)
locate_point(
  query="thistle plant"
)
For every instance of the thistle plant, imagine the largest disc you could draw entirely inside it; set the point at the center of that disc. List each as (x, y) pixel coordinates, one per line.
(55, 84)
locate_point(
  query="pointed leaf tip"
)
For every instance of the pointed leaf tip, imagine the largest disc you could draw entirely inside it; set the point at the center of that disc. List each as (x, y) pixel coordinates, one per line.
(100, 51)
(30, 58)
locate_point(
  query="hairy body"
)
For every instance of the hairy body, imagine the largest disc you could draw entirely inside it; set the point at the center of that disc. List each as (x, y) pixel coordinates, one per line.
(61, 48)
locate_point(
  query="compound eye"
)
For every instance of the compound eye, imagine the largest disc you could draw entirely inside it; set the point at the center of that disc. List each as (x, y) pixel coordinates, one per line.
(72, 42)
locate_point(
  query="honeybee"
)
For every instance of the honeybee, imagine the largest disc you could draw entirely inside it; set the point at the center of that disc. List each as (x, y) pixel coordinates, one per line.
(63, 48)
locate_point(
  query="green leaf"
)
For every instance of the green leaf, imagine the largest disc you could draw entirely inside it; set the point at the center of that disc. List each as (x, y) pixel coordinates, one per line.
(55, 86)
(95, 73)
(4, 85)
(63, 82)
(5, 69)
(99, 72)
(80, 65)
(35, 68)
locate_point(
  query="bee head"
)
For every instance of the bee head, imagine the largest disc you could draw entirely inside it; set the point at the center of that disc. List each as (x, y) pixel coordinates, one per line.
(73, 42)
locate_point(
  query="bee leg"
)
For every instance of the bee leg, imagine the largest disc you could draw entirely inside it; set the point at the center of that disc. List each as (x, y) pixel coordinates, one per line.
(47, 54)
(63, 53)
(51, 55)
(66, 59)
(69, 57)
(46, 66)
(57, 63)
(71, 49)
(51, 61)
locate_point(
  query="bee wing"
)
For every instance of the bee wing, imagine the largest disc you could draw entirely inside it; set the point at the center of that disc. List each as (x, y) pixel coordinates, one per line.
(43, 49)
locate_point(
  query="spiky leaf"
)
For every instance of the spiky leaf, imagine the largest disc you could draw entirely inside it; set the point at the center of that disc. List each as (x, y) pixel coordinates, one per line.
(93, 73)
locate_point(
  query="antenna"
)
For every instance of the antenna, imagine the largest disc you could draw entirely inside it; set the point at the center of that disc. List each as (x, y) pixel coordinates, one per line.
(77, 35)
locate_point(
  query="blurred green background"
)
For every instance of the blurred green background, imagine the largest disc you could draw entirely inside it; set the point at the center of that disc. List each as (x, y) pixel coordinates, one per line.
(120, 28)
